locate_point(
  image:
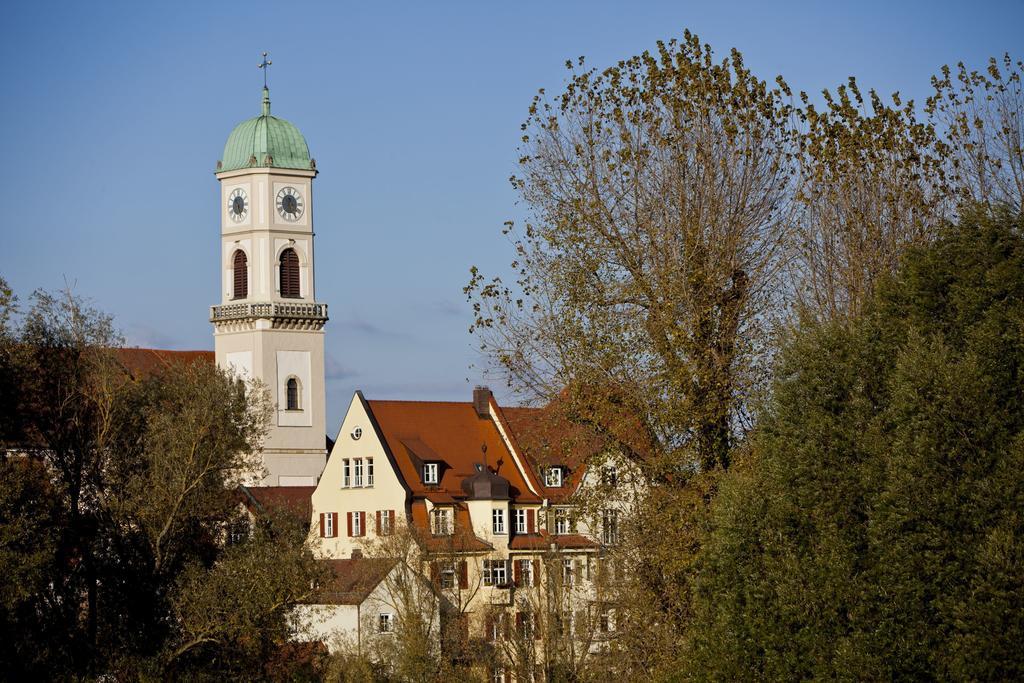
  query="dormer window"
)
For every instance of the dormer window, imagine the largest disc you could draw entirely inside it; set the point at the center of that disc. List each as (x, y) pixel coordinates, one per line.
(553, 477)
(442, 522)
(430, 473)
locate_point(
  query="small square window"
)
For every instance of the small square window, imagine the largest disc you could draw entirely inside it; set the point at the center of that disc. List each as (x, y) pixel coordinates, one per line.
(553, 477)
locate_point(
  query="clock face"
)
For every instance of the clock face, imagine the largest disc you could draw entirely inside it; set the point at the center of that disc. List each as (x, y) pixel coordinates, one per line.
(289, 204)
(238, 205)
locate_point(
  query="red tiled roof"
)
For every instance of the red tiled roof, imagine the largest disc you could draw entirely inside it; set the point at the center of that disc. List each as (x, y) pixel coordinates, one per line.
(543, 541)
(352, 580)
(463, 540)
(145, 362)
(451, 434)
(292, 500)
(545, 437)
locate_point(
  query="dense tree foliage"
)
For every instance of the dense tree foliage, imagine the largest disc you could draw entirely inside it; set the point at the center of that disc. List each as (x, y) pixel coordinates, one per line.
(115, 500)
(874, 530)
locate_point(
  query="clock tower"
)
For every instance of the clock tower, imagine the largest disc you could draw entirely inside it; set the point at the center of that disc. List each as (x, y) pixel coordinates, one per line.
(269, 325)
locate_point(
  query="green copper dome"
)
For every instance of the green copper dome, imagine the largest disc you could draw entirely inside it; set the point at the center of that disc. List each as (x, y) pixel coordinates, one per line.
(265, 141)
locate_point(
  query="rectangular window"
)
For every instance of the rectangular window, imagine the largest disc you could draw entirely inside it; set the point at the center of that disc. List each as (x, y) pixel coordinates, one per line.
(357, 523)
(567, 572)
(346, 480)
(442, 518)
(553, 478)
(448, 576)
(520, 516)
(561, 520)
(498, 676)
(524, 625)
(329, 525)
(430, 473)
(610, 527)
(495, 573)
(385, 522)
(605, 623)
(525, 572)
(369, 471)
(610, 476)
(386, 623)
(498, 521)
(358, 479)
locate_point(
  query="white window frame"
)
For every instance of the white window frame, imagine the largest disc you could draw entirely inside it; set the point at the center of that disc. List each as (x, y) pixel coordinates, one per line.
(498, 521)
(357, 524)
(520, 521)
(437, 515)
(430, 473)
(385, 522)
(553, 478)
(357, 478)
(329, 525)
(386, 622)
(493, 569)
(448, 579)
(568, 571)
(610, 531)
(526, 572)
(562, 523)
(610, 476)
(346, 470)
(369, 472)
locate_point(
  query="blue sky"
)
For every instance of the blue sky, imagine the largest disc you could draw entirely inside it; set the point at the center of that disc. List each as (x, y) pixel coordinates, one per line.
(114, 115)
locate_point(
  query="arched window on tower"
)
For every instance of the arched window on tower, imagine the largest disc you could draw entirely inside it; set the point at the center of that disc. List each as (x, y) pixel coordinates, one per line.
(292, 388)
(240, 275)
(290, 274)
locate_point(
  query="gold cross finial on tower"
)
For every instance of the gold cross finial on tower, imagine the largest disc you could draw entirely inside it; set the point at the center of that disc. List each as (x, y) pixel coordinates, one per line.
(263, 65)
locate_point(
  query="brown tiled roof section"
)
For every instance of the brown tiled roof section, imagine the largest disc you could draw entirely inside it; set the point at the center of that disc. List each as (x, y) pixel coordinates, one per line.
(418, 431)
(545, 437)
(543, 541)
(463, 540)
(145, 362)
(352, 580)
(291, 500)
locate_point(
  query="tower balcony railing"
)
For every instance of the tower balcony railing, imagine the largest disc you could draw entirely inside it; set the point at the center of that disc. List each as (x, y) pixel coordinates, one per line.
(268, 310)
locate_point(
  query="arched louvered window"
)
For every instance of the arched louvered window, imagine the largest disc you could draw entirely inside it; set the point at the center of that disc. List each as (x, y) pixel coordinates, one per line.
(293, 393)
(240, 275)
(290, 274)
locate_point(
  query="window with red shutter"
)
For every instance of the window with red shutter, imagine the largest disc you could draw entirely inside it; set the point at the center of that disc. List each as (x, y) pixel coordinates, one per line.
(240, 275)
(348, 515)
(531, 522)
(463, 575)
(290, 274)
(378, 523)
(334, 524)
(322, 532)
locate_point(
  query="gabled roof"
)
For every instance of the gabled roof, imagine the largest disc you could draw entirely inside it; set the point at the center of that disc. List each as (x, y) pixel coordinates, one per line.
(145, 362)
(451, 434)
(352, 580)
(294, 501)
(547, 438)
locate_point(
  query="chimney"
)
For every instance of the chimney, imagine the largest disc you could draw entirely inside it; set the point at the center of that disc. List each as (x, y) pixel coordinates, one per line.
(481, 401)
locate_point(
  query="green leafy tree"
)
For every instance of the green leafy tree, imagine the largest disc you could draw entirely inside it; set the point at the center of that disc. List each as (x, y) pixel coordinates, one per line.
(874, 531)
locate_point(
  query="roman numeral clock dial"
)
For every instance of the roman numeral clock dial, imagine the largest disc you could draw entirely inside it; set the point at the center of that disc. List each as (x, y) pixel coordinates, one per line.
(238, 205)
(289, 204)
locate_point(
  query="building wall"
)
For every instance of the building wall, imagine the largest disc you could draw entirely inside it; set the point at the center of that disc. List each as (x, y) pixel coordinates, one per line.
(387, 492)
